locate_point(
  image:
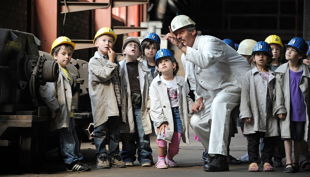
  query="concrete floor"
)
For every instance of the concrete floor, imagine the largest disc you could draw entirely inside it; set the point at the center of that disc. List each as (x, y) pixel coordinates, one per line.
(188, 159)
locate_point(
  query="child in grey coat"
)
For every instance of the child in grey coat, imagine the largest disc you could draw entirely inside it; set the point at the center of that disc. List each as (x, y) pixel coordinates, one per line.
(256, 108)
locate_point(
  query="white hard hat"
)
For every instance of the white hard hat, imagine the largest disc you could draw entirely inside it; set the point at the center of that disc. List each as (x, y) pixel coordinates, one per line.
(181, 21)
(246, 46)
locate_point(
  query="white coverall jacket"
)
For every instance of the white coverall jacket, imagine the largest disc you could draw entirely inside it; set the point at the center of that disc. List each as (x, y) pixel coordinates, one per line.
(218, 72)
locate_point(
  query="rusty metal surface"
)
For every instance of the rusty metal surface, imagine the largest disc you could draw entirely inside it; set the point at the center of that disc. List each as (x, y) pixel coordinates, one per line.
(127, 29)
(77, 6)
(122, 3)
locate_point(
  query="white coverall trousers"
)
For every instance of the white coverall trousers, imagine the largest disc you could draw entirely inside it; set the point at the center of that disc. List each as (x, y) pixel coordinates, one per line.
(212, 123)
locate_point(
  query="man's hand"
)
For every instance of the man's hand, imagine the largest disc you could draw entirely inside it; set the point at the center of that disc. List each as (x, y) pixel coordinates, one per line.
(171, 37)
(281, 116)
(111, 55)
(198, 105)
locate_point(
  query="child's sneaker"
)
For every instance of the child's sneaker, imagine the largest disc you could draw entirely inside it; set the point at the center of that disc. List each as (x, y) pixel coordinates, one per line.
(129, 163)
(116, 161)
(170, 163)
(145, 162)
(253, 167)
(161, 164)
(267, 167)
(77, 166)
(103, 162)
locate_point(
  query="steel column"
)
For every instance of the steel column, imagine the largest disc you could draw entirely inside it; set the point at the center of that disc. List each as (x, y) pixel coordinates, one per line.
(306, 25)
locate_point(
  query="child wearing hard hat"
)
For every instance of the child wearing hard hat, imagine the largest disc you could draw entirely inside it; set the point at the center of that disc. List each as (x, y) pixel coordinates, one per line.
(277, 47)
(256, 111)
(136, 79)
(291, 104)
(58, 97)
(245, 49)
(150, 45)
(169, 91)
(105, 97)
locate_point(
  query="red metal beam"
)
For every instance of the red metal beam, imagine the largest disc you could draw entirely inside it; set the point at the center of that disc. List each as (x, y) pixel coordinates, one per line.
(103, 17)
(46, 22)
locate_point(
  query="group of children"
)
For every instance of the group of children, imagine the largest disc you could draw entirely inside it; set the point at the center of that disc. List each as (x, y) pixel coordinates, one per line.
(129, 96)
(121, 106)
(274, 104)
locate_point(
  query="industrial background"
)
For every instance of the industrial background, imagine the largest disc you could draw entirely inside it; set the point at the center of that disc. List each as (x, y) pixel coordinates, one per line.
(28, 28)
(79, 19)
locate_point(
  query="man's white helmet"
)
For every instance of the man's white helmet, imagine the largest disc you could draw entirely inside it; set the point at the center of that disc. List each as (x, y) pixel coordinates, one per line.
(246, 46)
(181, 21)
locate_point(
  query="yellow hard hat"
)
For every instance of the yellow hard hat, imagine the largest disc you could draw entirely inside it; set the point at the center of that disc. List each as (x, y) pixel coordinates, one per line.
(274, 39)
(105, 30)
(181, 21)
(62, 40)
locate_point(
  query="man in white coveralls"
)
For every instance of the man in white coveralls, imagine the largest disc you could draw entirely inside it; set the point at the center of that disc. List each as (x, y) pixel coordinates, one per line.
(218, 71)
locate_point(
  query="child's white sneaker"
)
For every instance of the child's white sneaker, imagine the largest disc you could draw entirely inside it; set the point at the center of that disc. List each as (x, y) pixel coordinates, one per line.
(161, 164)
(170, 163)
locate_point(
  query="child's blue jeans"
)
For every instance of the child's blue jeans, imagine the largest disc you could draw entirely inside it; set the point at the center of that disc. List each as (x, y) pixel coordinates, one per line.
(107, 133)
(137, 141)
(69, 143)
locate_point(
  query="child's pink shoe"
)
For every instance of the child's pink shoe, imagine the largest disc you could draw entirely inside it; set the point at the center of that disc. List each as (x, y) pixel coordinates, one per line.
(161, 164)
(170, 163)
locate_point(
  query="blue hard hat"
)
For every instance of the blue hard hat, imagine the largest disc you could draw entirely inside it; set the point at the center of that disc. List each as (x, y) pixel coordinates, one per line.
(308, 42)
(163, 53)
(153, 37)
(229, 42)
(262, 46)
(299, 44)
